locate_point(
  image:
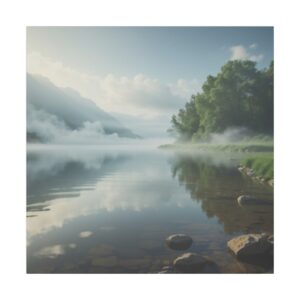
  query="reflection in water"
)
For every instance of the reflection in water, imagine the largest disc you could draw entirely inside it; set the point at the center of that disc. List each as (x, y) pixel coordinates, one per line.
(85, 234)
(52, 251)
(215, 185)
(59, 173)
(117, 182)
(106, 211)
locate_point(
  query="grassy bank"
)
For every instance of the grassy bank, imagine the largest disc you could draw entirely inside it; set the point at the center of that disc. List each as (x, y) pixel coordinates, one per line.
(262, 164)
(257, 153)
(236, 147)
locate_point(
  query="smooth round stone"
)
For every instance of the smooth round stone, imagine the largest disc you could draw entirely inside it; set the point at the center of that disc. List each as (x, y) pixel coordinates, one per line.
(190, 263)
(249, 200)
(179, 241)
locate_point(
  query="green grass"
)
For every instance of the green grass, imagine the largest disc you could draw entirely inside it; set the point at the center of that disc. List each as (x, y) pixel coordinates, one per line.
(262, 164)
(236, 147)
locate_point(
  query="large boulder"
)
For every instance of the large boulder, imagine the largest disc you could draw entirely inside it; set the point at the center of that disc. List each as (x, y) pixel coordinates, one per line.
(251, 245)
(179, 241)
(191, 263)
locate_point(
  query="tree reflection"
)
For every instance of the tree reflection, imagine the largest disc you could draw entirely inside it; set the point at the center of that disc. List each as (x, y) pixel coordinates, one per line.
(215, 185)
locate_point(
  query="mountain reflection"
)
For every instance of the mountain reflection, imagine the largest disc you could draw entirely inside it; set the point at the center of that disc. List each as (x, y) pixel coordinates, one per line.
(65, 186)
(215, 183)
(57, 174)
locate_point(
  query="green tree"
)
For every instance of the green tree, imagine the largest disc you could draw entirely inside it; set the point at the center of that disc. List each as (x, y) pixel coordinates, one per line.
(240, 95)
(187, 120)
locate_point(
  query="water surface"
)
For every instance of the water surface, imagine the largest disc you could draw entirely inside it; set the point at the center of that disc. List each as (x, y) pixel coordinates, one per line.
(102, 210)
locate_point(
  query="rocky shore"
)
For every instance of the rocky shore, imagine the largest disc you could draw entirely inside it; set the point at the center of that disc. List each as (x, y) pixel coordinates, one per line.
(250, 172)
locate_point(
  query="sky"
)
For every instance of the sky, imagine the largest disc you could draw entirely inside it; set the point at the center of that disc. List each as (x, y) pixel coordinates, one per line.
(146, 73)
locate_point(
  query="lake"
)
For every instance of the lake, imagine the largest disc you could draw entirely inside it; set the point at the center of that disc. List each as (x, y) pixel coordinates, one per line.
(107, 210)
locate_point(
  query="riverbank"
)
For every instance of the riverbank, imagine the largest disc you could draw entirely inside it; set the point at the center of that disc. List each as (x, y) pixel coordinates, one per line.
(233, 147)
(258, 164)
(259, 167)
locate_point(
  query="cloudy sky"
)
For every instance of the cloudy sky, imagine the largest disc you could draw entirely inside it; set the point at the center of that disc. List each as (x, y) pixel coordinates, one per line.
(145, 73)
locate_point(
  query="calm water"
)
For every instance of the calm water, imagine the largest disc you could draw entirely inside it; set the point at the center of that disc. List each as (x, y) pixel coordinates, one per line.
(108, 211)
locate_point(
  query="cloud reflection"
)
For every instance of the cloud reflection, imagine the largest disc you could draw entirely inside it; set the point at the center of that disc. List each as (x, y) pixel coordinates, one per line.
(85, 234)
(51, 251)
(120, 184)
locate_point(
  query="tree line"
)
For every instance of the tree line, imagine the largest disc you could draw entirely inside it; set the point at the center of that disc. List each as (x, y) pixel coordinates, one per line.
(240, 95)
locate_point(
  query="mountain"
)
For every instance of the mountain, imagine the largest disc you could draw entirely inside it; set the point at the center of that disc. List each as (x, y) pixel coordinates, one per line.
(65, 108)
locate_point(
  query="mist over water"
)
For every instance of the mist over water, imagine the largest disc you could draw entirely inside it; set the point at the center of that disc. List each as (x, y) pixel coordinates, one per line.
(109, 209)
(55, 132)
(229, 135)
(123, 153)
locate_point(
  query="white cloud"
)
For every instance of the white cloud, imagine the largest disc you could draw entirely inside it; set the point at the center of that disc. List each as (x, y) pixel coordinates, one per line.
(184, 88)
(138, 95)
(239, 52)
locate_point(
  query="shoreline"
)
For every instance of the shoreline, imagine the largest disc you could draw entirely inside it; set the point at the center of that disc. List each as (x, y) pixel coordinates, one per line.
(257, 161)
(233, 147)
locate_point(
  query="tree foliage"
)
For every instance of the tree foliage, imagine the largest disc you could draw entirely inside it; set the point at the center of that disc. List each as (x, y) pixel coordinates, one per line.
(240, 95)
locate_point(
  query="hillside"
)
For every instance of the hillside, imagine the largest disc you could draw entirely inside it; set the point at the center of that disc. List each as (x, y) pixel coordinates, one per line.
(67, 109)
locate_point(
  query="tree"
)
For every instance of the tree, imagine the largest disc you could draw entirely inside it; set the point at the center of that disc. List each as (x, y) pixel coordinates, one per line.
(187, 120)
(239, 96)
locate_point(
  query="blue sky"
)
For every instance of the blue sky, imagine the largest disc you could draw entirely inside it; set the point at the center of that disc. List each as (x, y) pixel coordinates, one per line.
(145, 73)
(166, 53)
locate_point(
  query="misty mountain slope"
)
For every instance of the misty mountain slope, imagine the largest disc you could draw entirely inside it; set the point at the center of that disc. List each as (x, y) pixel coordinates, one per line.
(65, 109)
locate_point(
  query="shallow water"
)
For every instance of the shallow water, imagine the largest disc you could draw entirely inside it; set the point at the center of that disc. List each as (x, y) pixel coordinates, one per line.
(109, 211)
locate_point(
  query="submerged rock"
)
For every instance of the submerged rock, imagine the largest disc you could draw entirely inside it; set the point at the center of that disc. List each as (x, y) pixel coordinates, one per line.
(108, 261)
(250, 200)
(192, 263)
(166, 270)
(251, 245)
(179, 241)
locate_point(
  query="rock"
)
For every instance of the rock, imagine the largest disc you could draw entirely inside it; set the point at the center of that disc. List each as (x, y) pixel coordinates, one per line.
(271, 182)
(250, 172)
(166, 270)
(250, 200)
(250, 245)
(271, 241)
(179, 241)
(190, 263)
(241, 169)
